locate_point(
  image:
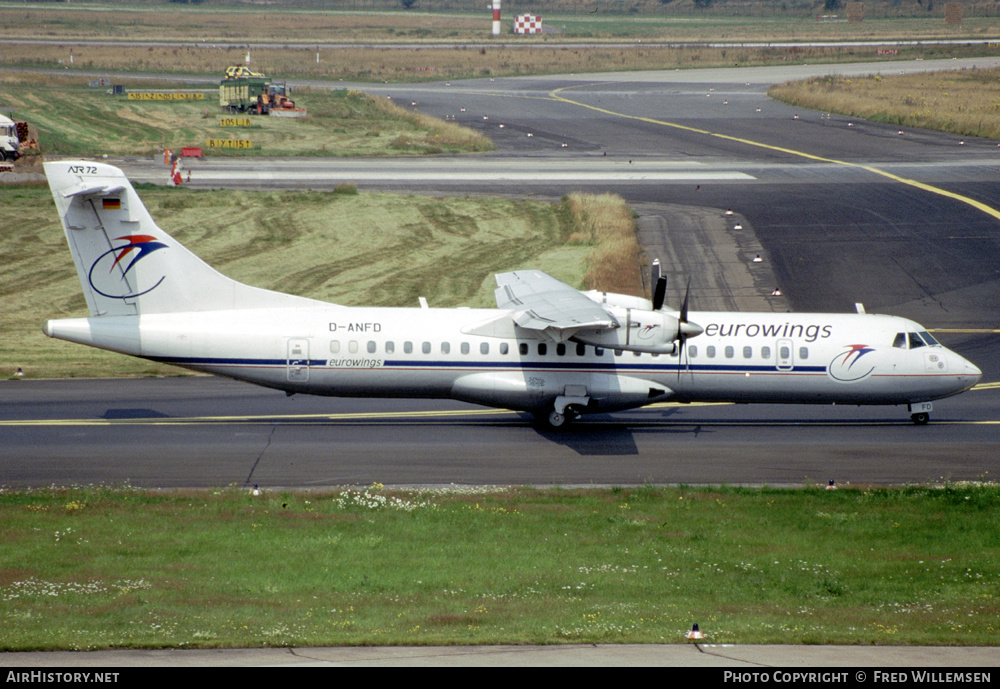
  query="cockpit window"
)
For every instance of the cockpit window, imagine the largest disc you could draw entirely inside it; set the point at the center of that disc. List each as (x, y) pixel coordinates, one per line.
(915, 341)
(928, 338)
(900, 341)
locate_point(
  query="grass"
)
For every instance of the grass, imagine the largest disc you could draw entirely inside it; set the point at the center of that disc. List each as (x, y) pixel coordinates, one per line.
(605, 222)
(964, 102)
(75, 120)
(373, 22)
(349, 248)
(408, 64)
(95, 567)
(368, 42)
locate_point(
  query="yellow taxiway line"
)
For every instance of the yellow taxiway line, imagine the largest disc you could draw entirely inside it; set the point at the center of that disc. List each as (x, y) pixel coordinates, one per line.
(978, 205)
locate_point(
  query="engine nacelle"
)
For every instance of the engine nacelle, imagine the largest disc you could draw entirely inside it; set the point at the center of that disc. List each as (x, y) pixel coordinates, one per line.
(625, 301)
(654, 332)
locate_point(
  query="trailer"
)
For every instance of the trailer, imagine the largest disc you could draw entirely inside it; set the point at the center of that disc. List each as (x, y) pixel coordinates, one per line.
(243, 90)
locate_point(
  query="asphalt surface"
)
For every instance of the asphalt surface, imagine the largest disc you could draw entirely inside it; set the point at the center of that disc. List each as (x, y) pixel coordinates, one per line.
(206, 432)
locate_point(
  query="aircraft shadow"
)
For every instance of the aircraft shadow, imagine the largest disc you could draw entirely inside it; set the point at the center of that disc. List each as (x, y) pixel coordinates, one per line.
(118, 414)
(603, 435)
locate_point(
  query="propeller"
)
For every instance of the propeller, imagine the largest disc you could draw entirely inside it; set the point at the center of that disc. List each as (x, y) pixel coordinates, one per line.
(685, 328)
(659, 293)
(659, 285)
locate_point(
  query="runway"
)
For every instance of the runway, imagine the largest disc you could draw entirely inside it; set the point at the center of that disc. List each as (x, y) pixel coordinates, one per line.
(843, 212)
(207, 432)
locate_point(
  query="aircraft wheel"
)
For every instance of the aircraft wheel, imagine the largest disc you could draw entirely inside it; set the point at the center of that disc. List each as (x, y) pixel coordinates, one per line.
(920, 418)
(556, 420)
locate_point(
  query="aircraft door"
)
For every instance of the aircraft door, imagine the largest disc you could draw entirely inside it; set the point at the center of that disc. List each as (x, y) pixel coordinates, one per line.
(786, 361)
(298, 360)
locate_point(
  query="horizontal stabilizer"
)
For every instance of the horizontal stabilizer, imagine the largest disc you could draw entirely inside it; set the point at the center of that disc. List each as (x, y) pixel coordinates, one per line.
(85, 189)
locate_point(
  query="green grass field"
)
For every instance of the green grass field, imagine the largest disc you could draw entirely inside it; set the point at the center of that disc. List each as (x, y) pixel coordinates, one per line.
(93, 568)
(662, 36)
(369, 249)
(75, 120)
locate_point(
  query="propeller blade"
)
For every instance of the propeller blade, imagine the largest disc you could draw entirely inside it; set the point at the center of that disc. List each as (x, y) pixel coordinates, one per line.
(685, 329)
(659, 293)
(684, 306)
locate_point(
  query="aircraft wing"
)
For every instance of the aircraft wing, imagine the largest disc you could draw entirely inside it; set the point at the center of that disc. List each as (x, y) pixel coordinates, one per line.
(538, 301)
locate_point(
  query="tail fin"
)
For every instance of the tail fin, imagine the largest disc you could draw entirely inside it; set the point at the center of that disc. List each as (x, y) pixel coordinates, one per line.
(126, 263)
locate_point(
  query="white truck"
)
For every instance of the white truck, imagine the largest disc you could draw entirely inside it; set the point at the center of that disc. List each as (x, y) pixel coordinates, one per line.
(10, 143)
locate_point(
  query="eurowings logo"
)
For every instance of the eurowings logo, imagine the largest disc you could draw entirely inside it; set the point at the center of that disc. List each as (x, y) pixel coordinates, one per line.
(852, 365)
(111, 274)
(647, 332)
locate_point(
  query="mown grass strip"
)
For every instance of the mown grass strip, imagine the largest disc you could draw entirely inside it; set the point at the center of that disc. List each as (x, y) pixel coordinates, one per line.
(75, 120)
(368, 249)
(97, 567)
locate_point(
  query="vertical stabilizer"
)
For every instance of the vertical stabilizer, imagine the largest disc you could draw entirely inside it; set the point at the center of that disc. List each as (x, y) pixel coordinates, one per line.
(126, 263)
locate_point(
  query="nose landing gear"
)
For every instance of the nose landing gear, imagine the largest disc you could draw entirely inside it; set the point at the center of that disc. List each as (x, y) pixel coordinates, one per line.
(920, 413)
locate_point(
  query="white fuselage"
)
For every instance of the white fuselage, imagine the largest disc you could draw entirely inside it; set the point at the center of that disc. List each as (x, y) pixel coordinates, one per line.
(479, 355)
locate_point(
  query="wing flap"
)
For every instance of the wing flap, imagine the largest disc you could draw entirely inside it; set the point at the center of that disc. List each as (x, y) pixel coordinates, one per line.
(537, 301)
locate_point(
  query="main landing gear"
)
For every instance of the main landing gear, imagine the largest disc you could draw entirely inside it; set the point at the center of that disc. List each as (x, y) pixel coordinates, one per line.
(559, 415)
(564, 409)
(920, 418)
(555, 421)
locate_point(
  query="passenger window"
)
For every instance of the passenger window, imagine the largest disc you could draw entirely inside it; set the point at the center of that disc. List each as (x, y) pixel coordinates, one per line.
(465, 348)
(371, 346)
(504, 348)
(710, 351)
(542, 349)
(581, 349)
(748, 352)
(693, 351)
(784, 353)
(561, 349)
(765, 352)
(484, 348)
(335, 346)
(730, 352)
(426, 347)
(408, 347)
(915, 341)
(599, 351)
(446, 347)
(900, 341)
(523, 348)
(618, 352)
(803, 352)
(352, 346)
(390, 347)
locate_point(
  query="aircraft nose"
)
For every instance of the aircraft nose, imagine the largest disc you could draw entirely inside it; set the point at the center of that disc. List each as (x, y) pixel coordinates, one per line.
(968, 370)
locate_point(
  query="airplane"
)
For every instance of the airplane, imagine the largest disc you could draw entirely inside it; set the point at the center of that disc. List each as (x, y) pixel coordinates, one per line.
(547, 348)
